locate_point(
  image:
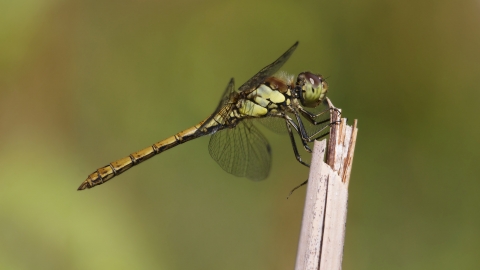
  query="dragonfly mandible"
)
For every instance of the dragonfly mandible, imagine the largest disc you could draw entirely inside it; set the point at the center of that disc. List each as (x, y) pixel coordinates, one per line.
(279, 102)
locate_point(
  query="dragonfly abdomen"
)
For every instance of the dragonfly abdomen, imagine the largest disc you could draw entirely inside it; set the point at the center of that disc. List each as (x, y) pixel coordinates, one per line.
(115, 168)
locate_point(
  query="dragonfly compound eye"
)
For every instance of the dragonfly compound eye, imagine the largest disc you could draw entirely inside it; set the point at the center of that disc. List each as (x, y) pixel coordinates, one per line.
(314, 88)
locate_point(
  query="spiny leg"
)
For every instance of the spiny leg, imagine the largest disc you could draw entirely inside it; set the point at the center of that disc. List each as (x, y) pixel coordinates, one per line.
(297, 187)
(299, 131)
(310, 140)
(311, 117)
(312, 137)
(303, 135)
(294, 145)
(302, 132)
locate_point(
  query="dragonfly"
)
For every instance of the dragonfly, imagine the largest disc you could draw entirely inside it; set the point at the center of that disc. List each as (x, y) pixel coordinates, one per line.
(276, 99)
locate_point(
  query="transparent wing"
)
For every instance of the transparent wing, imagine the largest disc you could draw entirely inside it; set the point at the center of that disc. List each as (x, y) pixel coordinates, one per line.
(223, 107)
(242, 151)
(275, 124)
(268, 71)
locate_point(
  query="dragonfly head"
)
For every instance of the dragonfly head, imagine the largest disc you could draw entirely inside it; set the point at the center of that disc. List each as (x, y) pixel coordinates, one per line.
(313, 89)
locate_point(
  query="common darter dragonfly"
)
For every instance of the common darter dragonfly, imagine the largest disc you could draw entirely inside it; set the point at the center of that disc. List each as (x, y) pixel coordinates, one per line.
(279, 102)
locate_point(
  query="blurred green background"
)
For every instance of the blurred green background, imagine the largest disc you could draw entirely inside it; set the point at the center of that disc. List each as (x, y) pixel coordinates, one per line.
(83, 83)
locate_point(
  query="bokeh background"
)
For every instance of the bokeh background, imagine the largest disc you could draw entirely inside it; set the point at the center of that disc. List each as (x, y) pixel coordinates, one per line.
(83, 83)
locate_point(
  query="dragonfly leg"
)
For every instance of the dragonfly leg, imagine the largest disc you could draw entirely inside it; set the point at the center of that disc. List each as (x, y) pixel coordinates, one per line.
(311, 117)
(295, 188)
(315, 136)
(311, 137)
(294, 145)
(321, 136)
(301, 131)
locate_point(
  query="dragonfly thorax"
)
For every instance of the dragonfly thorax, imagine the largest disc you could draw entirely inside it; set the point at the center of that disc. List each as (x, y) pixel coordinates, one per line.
(258, 102)
(312, 89)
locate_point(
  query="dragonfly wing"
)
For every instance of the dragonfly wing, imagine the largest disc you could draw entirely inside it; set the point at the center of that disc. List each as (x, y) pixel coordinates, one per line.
(268, 71)
(275, 124)
(242, 151)
(223, 106)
